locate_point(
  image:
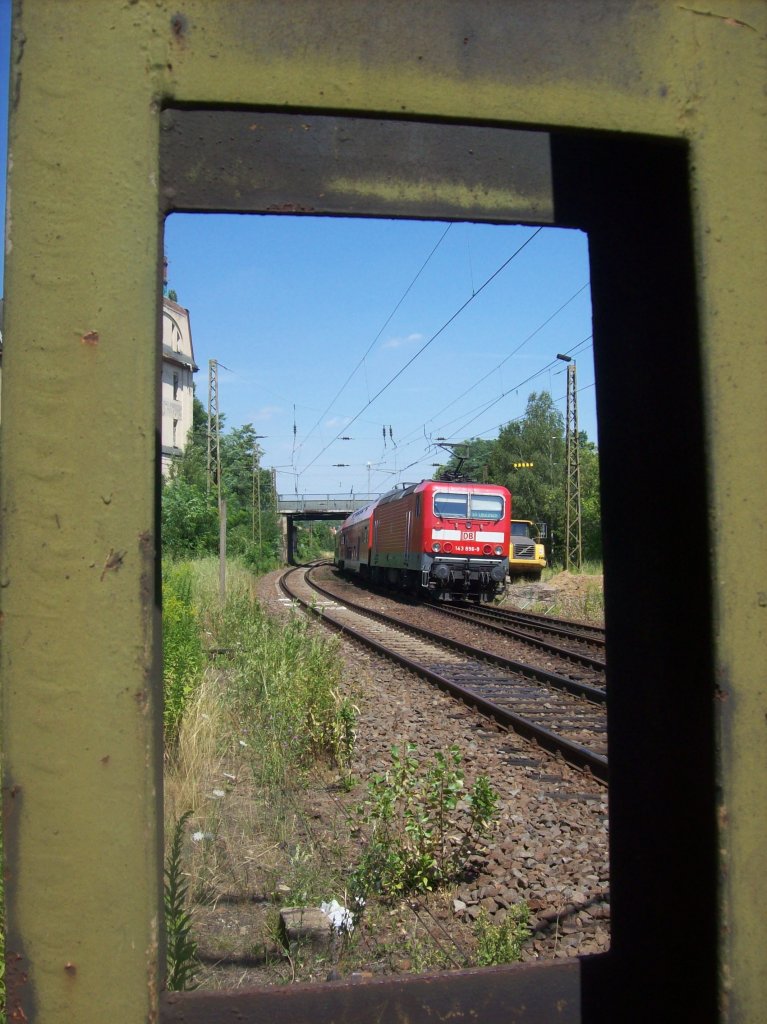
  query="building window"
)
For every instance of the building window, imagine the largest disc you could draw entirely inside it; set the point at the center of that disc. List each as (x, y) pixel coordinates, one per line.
(175, 385)
(175, 427)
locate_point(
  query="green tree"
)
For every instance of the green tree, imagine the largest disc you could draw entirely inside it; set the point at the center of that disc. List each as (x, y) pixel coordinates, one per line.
(537, 492)
(591, 521)
(315, 539)
(189, 521)
(189, 509)
(471, 459)
(252, 523)
(192, 465)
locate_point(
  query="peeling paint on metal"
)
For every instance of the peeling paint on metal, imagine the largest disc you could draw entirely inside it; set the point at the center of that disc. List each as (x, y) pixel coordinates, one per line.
(113, 562)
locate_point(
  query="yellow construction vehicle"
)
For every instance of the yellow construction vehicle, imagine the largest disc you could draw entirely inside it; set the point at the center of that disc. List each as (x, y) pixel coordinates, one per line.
(527, 555)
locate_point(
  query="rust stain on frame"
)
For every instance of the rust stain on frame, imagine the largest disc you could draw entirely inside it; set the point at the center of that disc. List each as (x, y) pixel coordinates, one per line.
(113, 563)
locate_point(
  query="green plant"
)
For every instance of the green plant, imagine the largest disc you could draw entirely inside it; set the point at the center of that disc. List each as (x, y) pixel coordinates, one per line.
(424, 825)
(502, 943)
(181, 957)
(181, 647)
(345, 737)
(284, 684)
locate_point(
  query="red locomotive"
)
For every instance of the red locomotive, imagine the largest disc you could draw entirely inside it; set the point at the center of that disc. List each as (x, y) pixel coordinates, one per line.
(448, 540)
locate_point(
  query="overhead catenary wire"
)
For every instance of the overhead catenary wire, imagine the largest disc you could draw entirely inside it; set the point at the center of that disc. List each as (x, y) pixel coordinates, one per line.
(489, 405)
(509, 356)
(445, 427)
(485, 407)
(426, 344)
(383, 328)
(422, 427)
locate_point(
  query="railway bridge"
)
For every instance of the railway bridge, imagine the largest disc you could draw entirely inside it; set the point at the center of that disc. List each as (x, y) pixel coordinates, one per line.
(294, 507)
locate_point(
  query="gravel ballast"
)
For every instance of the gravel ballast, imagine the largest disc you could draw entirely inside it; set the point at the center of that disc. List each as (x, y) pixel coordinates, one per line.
(551, 846)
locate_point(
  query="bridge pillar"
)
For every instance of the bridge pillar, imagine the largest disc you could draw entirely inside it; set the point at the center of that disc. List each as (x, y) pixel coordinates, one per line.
(286, 538)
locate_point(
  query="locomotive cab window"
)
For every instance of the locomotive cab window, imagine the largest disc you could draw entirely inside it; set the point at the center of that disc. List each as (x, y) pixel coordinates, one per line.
(487, 506)
(451, 505)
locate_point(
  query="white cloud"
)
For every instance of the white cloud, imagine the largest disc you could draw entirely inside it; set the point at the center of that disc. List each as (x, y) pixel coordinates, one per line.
(411, 339)
(336, 421)
(266, 412)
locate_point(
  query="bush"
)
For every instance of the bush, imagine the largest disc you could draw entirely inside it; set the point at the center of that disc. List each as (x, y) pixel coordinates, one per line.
(502, 943)
(424, 825)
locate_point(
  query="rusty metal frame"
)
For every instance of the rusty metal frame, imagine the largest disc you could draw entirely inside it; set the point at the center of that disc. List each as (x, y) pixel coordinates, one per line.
(275, 162)
(624, 192)
(653, 115)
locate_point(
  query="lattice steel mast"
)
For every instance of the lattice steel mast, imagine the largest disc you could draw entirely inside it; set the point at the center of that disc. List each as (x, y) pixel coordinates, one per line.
(573, 530)
(214, 449)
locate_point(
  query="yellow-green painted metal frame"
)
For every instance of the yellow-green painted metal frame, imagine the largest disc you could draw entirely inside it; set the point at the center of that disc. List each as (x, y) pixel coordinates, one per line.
(78, 580)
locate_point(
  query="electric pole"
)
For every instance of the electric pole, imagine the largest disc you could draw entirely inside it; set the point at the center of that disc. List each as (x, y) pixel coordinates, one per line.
(256, 496)
(573, 533)
(214, 429)
(214, 469)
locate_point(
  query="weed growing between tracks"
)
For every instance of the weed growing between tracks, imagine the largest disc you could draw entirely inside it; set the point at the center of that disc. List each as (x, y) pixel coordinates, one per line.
(424, 825)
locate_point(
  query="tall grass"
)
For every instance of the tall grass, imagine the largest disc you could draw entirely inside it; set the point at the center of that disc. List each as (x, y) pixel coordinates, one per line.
(283, 688)
(588, 568)
(181, 645)
(252, 722)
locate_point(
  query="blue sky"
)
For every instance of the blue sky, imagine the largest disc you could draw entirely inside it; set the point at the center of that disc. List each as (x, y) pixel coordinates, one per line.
(328, 328)
(333, 328)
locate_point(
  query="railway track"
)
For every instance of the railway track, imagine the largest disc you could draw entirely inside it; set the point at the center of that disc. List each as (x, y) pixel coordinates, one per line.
(563, 627)
(575, 643)
(563, 716)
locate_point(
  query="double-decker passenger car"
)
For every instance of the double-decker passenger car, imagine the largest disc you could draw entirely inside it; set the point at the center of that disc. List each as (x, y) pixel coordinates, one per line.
(445, 539)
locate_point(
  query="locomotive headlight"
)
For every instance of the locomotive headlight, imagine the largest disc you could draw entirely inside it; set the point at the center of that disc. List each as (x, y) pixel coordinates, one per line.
(436, 546)
(498, 549)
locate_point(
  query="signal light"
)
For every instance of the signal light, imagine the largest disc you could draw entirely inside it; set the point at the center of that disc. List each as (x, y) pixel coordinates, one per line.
(523, 465)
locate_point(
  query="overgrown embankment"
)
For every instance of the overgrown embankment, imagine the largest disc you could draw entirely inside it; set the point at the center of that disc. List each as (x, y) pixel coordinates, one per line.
(261, 723)
(250, 707)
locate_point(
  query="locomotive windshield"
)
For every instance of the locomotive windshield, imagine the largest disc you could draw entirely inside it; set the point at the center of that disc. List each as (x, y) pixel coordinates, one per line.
(487, 506)
(454, 505)
(451, 504)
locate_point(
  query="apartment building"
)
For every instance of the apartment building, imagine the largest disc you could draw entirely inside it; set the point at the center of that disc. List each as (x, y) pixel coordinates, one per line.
(178, 369)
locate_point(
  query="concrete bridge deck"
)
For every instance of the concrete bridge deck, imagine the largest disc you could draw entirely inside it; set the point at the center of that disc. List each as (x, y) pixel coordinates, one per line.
(292, 507)
(322, 505)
